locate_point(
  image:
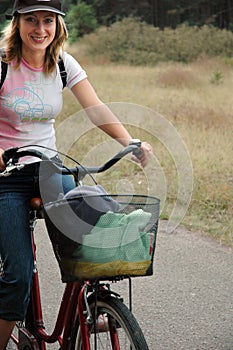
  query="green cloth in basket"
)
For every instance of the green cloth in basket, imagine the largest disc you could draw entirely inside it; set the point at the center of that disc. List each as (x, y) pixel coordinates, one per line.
(117, 245)
(117, 237)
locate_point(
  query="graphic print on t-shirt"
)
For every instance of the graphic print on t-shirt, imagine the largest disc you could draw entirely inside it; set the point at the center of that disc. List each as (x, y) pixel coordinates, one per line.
(26, 106)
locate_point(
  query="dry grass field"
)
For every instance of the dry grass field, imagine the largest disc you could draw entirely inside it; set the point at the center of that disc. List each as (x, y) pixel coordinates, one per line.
(197, 99)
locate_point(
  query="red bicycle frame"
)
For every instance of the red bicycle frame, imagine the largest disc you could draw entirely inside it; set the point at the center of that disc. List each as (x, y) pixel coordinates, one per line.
(68, 311)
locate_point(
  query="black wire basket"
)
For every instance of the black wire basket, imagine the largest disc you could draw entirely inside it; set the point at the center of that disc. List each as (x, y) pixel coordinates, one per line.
(110, 243)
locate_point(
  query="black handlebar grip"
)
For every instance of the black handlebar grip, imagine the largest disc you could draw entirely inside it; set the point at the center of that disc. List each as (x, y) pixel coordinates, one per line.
(8, 154)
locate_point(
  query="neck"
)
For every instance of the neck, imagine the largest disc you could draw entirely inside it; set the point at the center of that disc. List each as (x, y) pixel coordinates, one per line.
(35, 59)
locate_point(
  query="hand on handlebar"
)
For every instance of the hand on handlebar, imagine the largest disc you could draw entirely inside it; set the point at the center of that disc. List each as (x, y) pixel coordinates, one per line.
(146, 153)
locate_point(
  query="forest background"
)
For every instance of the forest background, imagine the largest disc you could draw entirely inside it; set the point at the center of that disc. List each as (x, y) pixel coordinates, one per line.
(159, 13)
(174, 57)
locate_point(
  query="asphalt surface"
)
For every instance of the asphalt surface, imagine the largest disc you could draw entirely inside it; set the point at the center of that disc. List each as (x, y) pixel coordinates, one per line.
(186, 304)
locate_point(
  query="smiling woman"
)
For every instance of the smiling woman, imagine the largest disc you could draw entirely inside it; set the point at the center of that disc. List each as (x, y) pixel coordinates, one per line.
(30, 100)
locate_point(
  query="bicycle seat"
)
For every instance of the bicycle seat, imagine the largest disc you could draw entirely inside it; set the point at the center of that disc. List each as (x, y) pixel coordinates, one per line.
(36, 205)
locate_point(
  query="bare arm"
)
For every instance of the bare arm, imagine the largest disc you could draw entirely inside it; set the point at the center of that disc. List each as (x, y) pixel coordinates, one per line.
(99, 114)
(103, 117)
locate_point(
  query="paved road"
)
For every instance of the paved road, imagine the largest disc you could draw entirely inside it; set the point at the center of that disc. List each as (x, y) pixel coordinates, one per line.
(186, 305)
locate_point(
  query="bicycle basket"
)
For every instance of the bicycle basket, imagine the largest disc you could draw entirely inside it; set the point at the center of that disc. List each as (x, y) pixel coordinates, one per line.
(120, 243)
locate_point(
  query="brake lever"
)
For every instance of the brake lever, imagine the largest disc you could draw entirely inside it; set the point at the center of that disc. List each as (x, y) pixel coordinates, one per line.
(9, 168)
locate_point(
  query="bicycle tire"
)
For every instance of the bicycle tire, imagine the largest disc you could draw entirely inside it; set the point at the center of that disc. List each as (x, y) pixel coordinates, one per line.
(129, 333)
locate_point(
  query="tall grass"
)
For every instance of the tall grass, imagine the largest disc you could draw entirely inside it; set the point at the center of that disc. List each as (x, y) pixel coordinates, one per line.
(197, 99)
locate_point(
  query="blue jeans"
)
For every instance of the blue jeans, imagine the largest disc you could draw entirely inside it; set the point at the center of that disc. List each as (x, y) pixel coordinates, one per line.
(16, 259)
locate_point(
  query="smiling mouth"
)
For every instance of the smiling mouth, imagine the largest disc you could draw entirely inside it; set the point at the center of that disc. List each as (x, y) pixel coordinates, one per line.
(38, 39)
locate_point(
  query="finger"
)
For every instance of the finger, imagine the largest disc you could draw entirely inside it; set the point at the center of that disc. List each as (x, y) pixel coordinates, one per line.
(135, 159)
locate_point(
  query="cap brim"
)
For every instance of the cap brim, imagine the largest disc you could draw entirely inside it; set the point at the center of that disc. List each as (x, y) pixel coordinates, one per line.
(36, 8)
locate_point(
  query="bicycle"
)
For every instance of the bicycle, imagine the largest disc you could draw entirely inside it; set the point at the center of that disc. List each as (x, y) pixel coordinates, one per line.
(91, 315)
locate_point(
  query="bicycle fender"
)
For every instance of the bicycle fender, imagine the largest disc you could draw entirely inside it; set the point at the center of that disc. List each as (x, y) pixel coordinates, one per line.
(105, 293)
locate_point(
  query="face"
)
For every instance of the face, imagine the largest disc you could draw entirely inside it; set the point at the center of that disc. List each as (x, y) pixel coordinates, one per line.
(37, 30)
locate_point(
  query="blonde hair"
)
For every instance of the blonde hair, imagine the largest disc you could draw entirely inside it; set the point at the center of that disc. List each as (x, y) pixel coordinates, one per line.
(12, 43)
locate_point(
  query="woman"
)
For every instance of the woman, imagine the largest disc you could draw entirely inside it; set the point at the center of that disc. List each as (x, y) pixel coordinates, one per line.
(30, 99)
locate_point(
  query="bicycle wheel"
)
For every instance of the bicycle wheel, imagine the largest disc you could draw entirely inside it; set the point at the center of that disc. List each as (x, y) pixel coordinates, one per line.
(115, 328)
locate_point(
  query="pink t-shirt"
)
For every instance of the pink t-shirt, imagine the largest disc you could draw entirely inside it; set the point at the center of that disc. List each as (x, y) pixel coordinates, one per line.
(30, 101)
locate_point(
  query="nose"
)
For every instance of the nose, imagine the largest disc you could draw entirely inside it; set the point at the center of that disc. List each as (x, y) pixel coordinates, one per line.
(40, 26)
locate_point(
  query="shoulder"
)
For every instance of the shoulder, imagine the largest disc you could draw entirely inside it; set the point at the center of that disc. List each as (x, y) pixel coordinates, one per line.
(68, 59)
(75, 72)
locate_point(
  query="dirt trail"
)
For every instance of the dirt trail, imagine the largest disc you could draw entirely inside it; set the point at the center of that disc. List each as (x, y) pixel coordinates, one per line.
(186, 305)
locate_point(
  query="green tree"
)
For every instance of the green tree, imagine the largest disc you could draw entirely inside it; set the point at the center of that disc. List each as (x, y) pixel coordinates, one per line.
(110, 11)
(5, 7)
(80, 20)
(67, 3)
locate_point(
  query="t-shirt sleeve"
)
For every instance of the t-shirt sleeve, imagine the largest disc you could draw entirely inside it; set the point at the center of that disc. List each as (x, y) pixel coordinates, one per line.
(75, 73)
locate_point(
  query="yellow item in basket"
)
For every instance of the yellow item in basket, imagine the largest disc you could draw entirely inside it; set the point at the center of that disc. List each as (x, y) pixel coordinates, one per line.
(108, 269)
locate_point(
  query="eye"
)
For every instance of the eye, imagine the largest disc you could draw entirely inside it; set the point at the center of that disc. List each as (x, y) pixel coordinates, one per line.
(30, 19)
(49, 20)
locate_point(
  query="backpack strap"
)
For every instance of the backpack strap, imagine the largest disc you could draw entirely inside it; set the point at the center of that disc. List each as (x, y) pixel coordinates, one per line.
(4, 67)
(63, 73)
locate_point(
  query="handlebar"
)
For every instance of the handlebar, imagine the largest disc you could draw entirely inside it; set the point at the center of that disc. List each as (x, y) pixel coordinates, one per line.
(11, 157)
